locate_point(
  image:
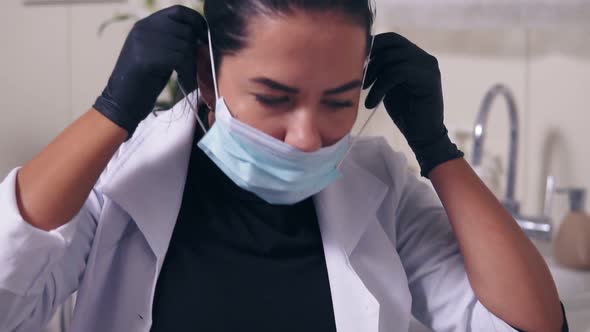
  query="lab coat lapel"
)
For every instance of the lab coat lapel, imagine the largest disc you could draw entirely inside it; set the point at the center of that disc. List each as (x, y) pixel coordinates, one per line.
(345, 210)
(149, 183)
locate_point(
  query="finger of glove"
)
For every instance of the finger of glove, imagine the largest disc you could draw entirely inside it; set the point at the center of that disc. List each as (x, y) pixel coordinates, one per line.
(388, 40)
(157, 57)
(396, 55)
(394, 51)
(165, 30)
(423, 79)
(395, 58)
(190, 18)
(396, 103)
(158, 41)
(383, 84)
(187, 73)
(421, 74)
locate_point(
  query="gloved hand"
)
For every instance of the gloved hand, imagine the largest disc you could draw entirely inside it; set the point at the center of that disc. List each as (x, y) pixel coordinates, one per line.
(408, 81)
(156, 46)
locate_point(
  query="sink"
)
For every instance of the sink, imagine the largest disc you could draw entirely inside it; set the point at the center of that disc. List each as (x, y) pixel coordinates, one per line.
(573, 287)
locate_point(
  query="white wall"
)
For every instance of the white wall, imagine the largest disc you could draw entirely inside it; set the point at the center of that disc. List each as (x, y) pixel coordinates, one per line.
(52, 68)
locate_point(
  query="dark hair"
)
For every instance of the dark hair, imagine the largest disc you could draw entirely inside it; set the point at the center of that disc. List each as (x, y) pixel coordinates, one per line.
(228, 19)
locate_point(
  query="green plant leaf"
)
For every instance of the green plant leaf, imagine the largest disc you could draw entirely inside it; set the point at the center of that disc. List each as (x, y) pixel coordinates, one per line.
(150, 4)
(115, 19)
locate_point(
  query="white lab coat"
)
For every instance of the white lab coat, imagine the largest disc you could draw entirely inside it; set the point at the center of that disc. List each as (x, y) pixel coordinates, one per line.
(390, 252)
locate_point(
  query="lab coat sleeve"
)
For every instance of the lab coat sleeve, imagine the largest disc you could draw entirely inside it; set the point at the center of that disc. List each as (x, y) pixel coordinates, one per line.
(39, 270)
(442, 297)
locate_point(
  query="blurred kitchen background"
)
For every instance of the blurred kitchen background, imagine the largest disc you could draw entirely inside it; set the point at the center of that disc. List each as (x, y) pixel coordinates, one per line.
(55, 63)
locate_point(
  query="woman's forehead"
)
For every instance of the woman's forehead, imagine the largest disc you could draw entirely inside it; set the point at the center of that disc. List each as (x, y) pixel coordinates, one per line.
(304, 30)
(303, 46)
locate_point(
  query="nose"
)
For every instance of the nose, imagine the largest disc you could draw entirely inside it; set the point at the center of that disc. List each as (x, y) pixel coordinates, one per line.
(303, 133)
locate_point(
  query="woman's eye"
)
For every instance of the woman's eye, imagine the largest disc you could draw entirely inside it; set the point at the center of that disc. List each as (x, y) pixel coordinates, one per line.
(338, 104)
(271, 101)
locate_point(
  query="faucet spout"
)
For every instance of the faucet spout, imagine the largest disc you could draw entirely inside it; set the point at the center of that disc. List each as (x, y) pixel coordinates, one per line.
(479, 133)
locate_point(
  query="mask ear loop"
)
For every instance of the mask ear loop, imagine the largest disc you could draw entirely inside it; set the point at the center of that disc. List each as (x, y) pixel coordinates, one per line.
(373, 9)
(213, 69)
(192, 106)
(374, 110)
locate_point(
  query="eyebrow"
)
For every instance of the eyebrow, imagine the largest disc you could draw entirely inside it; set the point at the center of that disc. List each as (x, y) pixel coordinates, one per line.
(285, 88)
(274, 85)
(343, 88)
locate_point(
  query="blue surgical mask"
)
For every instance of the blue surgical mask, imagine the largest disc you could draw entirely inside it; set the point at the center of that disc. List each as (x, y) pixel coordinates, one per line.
(272, 169)
(259, 163)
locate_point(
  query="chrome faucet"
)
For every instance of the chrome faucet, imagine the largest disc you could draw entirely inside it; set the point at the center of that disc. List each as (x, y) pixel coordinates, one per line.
(533, 226)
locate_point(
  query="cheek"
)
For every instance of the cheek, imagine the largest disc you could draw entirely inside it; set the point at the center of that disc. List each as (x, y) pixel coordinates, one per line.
(273, 123)
(333, 125)
(244, 107)
(338, 123)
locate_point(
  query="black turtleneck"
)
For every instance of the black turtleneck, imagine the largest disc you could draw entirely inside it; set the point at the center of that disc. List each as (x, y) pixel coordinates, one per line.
(237, 263)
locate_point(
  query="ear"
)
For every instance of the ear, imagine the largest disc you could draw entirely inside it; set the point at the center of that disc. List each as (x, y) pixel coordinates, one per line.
(205, 76)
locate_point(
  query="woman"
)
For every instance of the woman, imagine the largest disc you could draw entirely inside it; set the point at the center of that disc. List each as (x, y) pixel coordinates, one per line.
(275, 219)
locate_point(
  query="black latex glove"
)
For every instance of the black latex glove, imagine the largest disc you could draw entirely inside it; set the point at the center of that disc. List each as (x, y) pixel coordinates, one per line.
(157, 45)
(408, 81)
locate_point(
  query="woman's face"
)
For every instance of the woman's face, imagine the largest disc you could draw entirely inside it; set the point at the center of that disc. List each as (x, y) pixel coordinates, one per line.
(298, 79)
